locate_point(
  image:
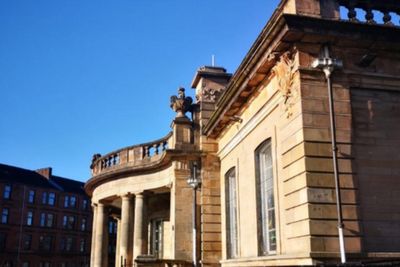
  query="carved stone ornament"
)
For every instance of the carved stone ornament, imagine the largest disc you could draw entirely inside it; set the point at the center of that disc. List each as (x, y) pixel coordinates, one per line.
(181, 103)
(210, 95)
(285, 72)
(94, 159)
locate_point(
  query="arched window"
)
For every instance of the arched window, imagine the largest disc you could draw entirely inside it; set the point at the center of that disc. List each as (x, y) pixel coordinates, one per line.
(231, 214)
(265, 199)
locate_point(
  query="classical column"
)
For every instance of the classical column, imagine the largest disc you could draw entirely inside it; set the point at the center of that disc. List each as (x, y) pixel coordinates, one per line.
(118, 243)
(126, 231)
(93, 244)
(138, 226)
(101, 239)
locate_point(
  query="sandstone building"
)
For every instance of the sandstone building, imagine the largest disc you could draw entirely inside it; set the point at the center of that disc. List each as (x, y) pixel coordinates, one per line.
(45, 219)
(260, 141)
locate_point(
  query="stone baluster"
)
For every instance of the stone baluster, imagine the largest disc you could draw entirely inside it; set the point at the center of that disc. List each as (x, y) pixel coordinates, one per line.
(369, 16)
(352, 14)
(387, 18)
(156, 146)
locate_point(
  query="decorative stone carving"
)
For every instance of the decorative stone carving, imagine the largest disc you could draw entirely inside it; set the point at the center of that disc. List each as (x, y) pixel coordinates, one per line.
(95, 157)
(210, 95)
(285, 72)
(181, 103)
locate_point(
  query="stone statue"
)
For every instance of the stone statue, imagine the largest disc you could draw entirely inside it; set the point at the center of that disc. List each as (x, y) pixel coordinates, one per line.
(94, 159)
(181, 103)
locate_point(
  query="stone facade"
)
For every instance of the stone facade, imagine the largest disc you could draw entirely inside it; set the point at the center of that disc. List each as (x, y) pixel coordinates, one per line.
(262, 141)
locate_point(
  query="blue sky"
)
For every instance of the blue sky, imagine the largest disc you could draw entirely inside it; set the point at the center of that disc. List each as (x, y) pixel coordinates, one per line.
(83, 77)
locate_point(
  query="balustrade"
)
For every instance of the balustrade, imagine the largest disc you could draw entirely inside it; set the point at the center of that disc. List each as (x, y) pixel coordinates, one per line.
(134, 155)
(373, 10)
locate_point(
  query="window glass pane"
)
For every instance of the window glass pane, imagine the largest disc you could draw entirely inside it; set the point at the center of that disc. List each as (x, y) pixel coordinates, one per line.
(50, 219)
(66, 201)
(231, 216)
(4, 215)
(29, 218)
(265, 199)
(72, 201)
(27, 242)
(52, 199)
(44, 198)
(31, 196)
(7, 191)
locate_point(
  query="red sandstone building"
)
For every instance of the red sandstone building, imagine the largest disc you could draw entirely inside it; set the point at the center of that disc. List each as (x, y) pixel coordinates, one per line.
(45, 219)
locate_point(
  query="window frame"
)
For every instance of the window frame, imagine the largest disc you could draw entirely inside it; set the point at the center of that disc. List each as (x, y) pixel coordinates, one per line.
(7, 191)
(265, 197)
(231, 213)
(31, 196)
(5, 215)
(29, 218)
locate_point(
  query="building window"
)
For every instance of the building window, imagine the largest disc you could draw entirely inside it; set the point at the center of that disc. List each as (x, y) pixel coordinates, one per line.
(85, 204)
(156, 248)
(49, 198)
(29, 218)
(82, 245)
(7, 191)
(44, 198)
(31, 196)
(69, 244)
(69, 222)
(3, 238)
(45, 242)
(83, 224)
(231, 214)
(46, 219)
(27, 241)
(44, 264)
(265, 199)
(112, 227)
(69, 202)
(52, 199)
(25, 264)
(4, 215)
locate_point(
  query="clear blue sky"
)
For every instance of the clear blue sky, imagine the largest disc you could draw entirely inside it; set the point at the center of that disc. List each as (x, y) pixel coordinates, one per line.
(83, 77)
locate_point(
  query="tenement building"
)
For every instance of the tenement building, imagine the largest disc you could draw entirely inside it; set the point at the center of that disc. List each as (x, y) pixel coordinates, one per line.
(292, 160)
(45, 219)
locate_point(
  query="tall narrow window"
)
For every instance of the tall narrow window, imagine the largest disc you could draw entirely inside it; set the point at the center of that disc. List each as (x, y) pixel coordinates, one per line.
(44, 198)
(265, 199)
(31, 196)
(7, 191)
(231, 214)
(29, 218)
(42, 219)
(4, 215)
(52, 199)
(27, 241)
(156, 238)
(83, 224)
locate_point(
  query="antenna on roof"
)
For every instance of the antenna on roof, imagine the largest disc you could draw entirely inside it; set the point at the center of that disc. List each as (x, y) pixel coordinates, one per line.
(213, 60)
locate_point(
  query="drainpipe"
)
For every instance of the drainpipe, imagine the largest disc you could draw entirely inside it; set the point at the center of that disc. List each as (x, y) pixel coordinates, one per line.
(194, 182)
(328, 66)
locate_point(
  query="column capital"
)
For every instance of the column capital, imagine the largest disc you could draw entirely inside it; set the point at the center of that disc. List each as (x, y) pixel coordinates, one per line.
(126, 196)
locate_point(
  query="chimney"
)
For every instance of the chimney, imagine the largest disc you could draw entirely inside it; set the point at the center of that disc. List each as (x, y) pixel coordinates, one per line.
(209, 83)
(45, 172)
